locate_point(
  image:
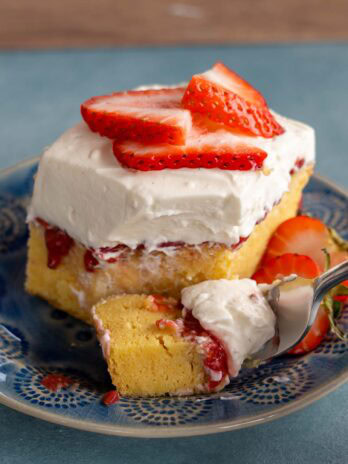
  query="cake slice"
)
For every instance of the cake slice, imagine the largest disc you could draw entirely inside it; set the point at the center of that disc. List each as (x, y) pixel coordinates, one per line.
(99, 228)
(76, 283)
(155, 345)
(144, 360)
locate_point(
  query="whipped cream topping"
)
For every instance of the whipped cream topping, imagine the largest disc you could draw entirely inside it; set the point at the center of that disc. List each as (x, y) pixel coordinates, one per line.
(236, 312)
(81, 188)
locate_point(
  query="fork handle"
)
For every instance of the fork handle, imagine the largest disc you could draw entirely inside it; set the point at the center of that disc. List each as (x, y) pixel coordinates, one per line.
(330, 279)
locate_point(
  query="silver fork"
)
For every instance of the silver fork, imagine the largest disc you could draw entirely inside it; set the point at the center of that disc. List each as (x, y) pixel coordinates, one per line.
(295, 320)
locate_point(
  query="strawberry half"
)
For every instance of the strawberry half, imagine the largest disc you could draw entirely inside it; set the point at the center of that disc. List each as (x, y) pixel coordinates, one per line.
(316, 334)
(305, 267)
(285, 265)
(223, 96)
(303, 235)
(203, 149)
(146, 116)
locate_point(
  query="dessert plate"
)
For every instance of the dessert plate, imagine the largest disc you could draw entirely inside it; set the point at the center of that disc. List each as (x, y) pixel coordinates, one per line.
(51, 366)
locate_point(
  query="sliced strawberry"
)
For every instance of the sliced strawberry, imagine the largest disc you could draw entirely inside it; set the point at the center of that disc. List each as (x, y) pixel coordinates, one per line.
(203, 149)
(303, 235)
(316, 334)
(223, 96)
(285, 265)
(146, 116)
(305, 267)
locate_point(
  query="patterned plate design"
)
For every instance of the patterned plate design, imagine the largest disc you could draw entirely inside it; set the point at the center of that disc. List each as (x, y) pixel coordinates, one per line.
(51, 366)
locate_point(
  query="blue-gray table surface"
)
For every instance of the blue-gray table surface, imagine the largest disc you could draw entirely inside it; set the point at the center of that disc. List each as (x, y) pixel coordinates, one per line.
(40, 94)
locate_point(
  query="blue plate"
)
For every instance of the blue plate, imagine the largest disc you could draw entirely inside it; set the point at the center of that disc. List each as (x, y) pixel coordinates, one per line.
(36, 341)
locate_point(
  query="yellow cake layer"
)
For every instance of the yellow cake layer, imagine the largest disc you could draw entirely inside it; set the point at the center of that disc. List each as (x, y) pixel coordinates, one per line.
(144, 360)
(71, 288)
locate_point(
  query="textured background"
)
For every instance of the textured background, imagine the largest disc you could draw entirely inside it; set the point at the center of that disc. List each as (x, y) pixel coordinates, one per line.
(71, 23)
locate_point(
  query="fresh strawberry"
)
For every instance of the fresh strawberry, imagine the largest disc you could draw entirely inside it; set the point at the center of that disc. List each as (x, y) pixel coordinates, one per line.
(223, 96)
(316, 334)
(146, 116)
(305, 267)
(285, 265)
(203, 149)
(303, 235)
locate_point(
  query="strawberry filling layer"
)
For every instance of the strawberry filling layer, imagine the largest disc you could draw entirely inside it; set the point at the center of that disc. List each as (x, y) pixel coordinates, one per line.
(58, 244)
(214, 354)
(212, 350)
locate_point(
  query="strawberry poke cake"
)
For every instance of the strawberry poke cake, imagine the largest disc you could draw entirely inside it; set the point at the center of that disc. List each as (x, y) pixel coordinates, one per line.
(160, 189)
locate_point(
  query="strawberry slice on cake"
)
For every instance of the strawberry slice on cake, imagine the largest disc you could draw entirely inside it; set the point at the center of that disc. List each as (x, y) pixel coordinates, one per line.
(146, 116)
(203, 149)
(226, 98)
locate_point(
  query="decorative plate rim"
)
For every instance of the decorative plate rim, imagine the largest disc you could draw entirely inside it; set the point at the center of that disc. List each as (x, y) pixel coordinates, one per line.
(178, 431)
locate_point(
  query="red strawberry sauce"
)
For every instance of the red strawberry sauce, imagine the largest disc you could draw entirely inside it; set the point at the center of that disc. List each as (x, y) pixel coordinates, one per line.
(58, 244)
(214, 354)
(111, 397)
(215, 357)
(55, 382)
(90, 261)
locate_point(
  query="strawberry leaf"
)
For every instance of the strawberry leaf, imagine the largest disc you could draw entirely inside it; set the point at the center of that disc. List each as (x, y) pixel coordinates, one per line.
(331, 311)
(327, 259)
(333, 307)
